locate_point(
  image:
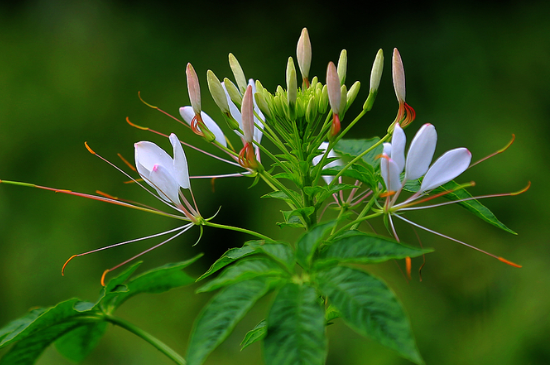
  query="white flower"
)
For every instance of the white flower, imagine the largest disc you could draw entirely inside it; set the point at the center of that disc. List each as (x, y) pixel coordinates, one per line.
(164, 173)
(323, 147)
(188, 114)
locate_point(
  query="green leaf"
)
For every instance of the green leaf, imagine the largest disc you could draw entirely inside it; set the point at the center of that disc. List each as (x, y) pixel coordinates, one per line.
(365, 174)
(296, 328)
(228, 257)
(280, 252)
(320, 193)
(78, 343)
(221, 315)
(37, 330)
(369, 307)
(254, 335)
(351, 148)
(157, 280)
(244, 270)
(366, 248)
(292, 217)
(309, 241)
(283, 196)
(473, 205)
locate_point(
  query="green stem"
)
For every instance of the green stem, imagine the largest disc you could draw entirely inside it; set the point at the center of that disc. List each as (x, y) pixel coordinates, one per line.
(158, 344)
(237, 229)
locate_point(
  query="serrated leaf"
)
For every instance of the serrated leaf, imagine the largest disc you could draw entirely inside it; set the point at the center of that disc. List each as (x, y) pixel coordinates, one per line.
(157, 280)
(244, 270)
(228, 257)
(351, 148)
(221, 315)
(366, 248)
(281, 253)
(309, 241)
(254, 335)
(369, 307)
(296, 328)
(78, 343)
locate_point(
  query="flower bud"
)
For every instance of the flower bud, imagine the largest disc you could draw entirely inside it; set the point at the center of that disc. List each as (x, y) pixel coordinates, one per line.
(343, 100)
(217, 91)
(343, 66)
(311, 110)
(333, 87)
(303, 54)
(194, 89)
(398, 74)
(376, 72)
(238, 73)
(352, 93)
(233, 92)
(291, 83)
(247, 112)
(262, 104)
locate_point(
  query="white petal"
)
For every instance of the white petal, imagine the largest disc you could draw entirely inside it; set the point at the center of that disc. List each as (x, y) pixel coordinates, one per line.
(323, 147)
(148, 154)
(258, 132)
(390, 173)
(446, 168)
(421, 152)
(235, 112)
(162, 180)
(180, 169)
(188, 114)
(247, 112)
(387, 148)
(398, 147)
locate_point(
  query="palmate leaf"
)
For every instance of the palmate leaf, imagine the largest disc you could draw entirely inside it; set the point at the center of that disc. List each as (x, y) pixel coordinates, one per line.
(232, 255)
(296, 328)
(366, 248)
(307, 244)
(244, 270)
(473, 205)
(221, 315)
(76, 326)
(351, 148)
(368, 306)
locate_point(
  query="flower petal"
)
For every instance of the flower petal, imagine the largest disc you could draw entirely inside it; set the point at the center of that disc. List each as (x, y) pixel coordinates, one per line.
(188, 114)
(247, 112)
(180, 169)
(147, 155)
(390, 173)
(323, 147)
(258, 132)
(162, 180)
(421, 152)
(446, 168)
(398, 147)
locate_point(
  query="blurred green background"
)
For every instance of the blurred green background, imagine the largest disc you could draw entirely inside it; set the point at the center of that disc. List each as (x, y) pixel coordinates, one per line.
(70, 72)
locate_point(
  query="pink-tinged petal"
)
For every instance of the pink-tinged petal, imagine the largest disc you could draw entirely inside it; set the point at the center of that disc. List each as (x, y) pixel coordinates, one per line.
(188, 114)
(180, 169)
(390, 173)
(147, 155)
(421, 152)
(398, 74)
(333, 88)
(446, 168)
(167, 187)
(247, 112)
(398, 147)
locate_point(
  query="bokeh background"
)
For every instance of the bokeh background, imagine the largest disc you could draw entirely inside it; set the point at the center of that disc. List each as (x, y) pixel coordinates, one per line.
(70, 72)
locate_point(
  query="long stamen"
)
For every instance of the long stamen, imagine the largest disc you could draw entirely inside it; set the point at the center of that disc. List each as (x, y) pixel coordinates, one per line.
(458, 241)
(413, 199)
(463, 200)
(497, 152)
(120, 244)
(185, 229)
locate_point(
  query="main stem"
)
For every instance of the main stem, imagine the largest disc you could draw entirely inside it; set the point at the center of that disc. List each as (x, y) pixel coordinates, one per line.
(158, 344)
